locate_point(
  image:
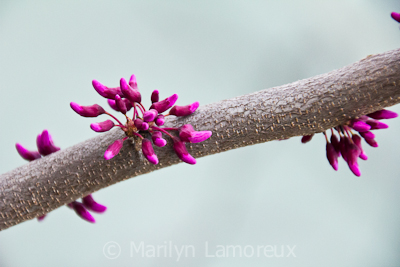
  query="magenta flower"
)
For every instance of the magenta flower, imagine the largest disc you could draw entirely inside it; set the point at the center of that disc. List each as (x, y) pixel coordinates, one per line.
(143, 122)
(180, 111)
(46, 147)
(349, 146)
(396, 16)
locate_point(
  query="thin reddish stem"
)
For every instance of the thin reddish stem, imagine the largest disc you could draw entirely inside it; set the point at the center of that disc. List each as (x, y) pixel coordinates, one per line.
(138, 135)
(140, 106)
(171, 129)
(123, 127)
(162, 130)
(114, 118)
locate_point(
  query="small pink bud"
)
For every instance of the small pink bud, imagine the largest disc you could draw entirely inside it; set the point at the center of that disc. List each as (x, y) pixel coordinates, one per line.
(395, 16)
(375, 125)
(165, 104)
(371, 142)
(113, 105)
(306, 138)
(158, 140)
(45, 144)
(155, 96)
(180, 150)
(383, 114)
(41, 218)
(27, 154)
(113, 149)
(359, 126)
(141, 125)
(343, 147)
(332, 156)
(181, 111)
(353, 152)
(357, 142)
(120, 104)
(354, 168)
(150, 115)
(336, 144)
(87, 111)
(148, 151)
(81, 211)
(188, 134)
(160, 120)
(368, 135)
(102, 126)
(133, 82)
(132, 94)
(106, 91)
(92, 205)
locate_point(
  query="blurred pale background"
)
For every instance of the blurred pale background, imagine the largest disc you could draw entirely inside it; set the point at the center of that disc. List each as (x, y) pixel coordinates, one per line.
(277, 193)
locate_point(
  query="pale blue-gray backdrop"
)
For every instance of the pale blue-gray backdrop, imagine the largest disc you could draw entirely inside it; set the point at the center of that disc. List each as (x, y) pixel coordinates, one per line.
(277, 193)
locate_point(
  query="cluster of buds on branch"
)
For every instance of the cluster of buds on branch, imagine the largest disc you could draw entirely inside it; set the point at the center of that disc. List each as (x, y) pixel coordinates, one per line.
(348, 145)
(127, 97)
(46, 147)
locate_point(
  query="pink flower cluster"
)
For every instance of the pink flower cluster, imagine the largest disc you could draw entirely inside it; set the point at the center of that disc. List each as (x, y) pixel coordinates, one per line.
(348, 145)
(127, 97)
(46, 147)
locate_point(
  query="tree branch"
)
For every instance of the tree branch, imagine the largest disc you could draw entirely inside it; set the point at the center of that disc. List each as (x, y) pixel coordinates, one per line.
(303, 107)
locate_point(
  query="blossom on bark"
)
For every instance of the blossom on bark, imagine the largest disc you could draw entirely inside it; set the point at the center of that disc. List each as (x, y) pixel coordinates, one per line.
(143, 122)
(348, 145)
(45, 146)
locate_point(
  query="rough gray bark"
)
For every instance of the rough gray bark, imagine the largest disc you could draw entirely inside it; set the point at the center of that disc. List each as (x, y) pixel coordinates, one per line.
(303, 107)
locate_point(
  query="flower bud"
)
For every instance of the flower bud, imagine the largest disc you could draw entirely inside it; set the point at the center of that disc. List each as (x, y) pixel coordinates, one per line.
(181, 111)
(81, 211)
(371, 142)
(357, 142)
(113, 104)
(120, 104)
(306, 138)
(375, 125)
(41, 218)
(332, 156)
(368, 135)
(26, 154)
(336, 144)
(383, 114)
(87, 111)
(359, 126)
(395, 16)
(141, 125)
(150, 115)
(133, 82)
(160, 120)
(113, 149)
(148, 151)
(157, 139)
(106, 92)
(102, 126)
(133, 95)
(188, 134)
(92, 205)
(353, 152)
(180, 150)
(155, 96)
(343, 147)
(45, 144)
(165, 104)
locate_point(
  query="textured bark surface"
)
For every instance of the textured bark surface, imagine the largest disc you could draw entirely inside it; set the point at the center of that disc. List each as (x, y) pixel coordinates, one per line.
(303, 107)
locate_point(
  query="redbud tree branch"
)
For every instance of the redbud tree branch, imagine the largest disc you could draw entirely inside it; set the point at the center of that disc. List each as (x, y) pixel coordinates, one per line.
(300, 108)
